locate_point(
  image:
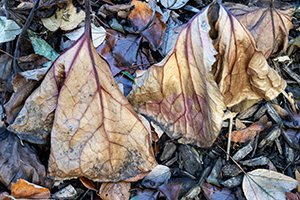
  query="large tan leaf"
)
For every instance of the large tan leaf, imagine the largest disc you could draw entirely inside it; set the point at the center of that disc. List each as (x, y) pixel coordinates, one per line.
(269, 26)
(179, 93)
(95, 133)
(265, 184)
(241, 72)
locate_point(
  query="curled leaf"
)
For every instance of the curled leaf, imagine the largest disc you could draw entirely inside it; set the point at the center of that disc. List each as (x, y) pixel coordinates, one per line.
(269, 25)
(179, 94)
(241, 71)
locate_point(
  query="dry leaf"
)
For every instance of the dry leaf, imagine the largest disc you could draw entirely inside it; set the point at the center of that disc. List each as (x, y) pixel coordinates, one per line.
(179, 94)
(270, 26)
(140, 16)
(66, 17)
(25, 190)
(158, 176)
(89, 110)
(292, 196)
(266, 184)
(297, 176)
(173, 4)
(115, 191)
(212, 192)
(241, 72)
(18, 161)
(91, 185)
(250, 132)
(122, 51)
(5, 67)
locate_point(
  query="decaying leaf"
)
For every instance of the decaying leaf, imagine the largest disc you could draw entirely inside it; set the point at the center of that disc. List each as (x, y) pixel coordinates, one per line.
(250, 132)
(18, 161)
(212, 192)
(266, 184)
(122, 51)
(140, 16)
(8, 29)
(96, 133)
(269, 25)
(159, 175)
(179, 94)
(5, 66)
(241, 72)
(173, 4)
(25, 190)
(66, 17)
(292, 196)
(115, 191)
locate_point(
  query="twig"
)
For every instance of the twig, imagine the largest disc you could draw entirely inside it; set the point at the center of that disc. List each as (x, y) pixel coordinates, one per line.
(21, 37)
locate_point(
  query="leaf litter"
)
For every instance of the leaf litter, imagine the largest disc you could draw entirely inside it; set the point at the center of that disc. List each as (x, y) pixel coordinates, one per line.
(79, 105)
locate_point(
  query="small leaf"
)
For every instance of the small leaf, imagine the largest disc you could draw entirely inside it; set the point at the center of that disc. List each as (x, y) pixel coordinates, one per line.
(159, 175)
(25, 190)
(180, 94)
(41, 47)
(266, 184)
(173, 4)
(66, 17)
(8, 29)
(212, 192)
(126, 73)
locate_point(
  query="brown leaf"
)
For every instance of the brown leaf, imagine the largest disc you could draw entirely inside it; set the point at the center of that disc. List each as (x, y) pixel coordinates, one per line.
(122, 52)
(115, 191)
(90, 184)
(250, 132)
(5, 66)
(140, 16)
(66, 17)
(25, 190)
(292, 196)
(95, 134)
(270, 26)
(18, 161)
(212, 192)
(179, 94)
(23, 83)
(241, 71)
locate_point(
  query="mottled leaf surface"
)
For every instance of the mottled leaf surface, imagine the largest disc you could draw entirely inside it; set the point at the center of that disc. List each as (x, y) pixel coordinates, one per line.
(258, 20)
(25, 190)
(266, 184)
(115, 191)
(241, 71)
(179, 93)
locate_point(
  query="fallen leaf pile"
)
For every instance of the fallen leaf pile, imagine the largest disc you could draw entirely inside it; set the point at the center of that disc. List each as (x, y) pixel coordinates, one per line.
(64, 115)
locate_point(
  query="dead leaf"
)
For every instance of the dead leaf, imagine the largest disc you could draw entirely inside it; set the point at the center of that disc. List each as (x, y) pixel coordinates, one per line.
(179, 94)
(9, 29)
(266, 184)
(297, 176)
(89, 110)
(115, 191)
(250, 132)
(66, 17)
(239, 125)
(140, 16)
(122, 10)
(91, 185)
(19, 161)
(122, 52)
(276, 21)
(292, 196)
(173, 4)
(25, 190)
(212, 192)
(5, 67)
(241, 71)
(158, 176)
(293, 136)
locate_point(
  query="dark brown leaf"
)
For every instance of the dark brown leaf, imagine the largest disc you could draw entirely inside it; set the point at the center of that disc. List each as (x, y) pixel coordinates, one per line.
(212, 192)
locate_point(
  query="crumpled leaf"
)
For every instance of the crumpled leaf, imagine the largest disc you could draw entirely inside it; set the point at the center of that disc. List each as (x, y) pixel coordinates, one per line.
(66, 17)
(122, 52)
(266, 184)
(241, 72)
(179, 94)
(212, 192)
(277, 22)
(25, 190)
(98, 34)
(173, 4)
(115, 191)
(250, 132)
(8, 29)
(140, 16)
(89, 110)
(23, 84)
(5, 67)
(19, 161)
(158, 175)
(292, 196)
